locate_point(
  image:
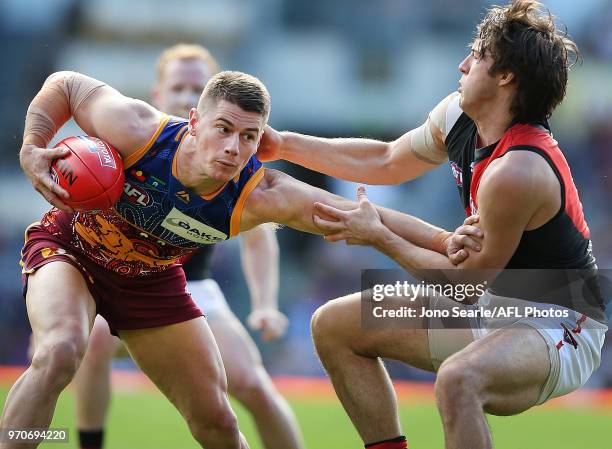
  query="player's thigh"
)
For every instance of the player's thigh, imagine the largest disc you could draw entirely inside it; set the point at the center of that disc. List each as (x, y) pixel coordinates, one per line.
(448, 331)
(102, 345)
(508, 368)
(182, 360)
(240, 355)
(59, 304)
(339, 323)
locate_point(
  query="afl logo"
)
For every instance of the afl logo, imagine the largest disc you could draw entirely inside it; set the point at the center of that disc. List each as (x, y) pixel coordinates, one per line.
(136, 195)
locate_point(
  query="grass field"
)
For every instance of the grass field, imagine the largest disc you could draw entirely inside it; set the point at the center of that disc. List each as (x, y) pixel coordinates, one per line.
(141, 418)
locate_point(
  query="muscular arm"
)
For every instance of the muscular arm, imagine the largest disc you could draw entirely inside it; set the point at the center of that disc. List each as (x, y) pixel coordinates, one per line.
(365, 160)
(357, 160)
(279, 198)
(413, 229)
(98, 109)
(525, 191)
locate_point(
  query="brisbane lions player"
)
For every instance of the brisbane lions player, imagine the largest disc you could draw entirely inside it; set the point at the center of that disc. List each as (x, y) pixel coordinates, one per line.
(204, 185)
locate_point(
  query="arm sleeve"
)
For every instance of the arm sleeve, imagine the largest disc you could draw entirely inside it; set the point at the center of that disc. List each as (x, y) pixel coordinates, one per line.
(427, 141)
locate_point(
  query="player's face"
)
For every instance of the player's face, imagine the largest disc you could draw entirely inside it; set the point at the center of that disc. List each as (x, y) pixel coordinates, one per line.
(181, 85)
(226, 138)
(477, 86)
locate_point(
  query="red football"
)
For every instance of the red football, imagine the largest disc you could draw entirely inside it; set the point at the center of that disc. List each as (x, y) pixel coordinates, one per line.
(92, 173)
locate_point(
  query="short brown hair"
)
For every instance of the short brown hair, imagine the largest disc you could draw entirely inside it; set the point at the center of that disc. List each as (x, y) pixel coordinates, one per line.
(522, 38)
(241, 89)
(185, 52)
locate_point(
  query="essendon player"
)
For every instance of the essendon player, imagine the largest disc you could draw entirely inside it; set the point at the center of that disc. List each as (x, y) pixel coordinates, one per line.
(512, 173)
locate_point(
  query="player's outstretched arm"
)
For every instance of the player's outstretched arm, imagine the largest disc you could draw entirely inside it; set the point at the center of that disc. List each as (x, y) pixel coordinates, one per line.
(365, 160)
(260, 256)
(279, 198)
(97, 108)
(502, 223)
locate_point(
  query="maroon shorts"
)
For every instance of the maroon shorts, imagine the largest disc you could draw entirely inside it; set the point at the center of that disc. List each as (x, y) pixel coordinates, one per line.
(127, 303)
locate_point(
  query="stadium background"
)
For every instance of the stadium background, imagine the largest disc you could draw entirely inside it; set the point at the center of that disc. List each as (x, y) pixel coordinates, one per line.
(334, 68)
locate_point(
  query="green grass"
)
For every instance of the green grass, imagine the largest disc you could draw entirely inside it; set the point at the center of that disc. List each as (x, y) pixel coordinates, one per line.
(147, 420)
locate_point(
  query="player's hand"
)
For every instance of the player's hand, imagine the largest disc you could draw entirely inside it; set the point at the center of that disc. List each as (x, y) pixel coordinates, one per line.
(359, 226)
(270, 322)
(36, 163)
(468, 235)
(270, 145)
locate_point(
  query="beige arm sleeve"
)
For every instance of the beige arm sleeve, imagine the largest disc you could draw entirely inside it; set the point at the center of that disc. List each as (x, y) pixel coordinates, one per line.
(427, 141)
(60, 97)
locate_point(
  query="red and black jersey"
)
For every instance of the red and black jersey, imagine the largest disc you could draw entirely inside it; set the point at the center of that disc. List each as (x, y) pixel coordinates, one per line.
(563, 243)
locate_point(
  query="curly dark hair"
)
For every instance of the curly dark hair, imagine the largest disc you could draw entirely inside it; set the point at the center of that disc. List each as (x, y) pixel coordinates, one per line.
(523, 39)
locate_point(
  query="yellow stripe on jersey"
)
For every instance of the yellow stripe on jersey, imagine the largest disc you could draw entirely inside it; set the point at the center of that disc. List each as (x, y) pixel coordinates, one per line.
(211, 195)
(246, 191)
(181, 133)
(136, 155)
(175, 157)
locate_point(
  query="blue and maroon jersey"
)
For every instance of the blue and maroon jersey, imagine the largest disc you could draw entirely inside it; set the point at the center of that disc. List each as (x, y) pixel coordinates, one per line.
(157, 221)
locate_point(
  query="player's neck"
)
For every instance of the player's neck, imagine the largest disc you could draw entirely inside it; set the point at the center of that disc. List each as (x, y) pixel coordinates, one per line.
(492, 120)
(189, 174)
(492, 126)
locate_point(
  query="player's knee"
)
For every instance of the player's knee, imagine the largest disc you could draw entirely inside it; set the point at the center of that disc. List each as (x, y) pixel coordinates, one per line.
(255, 392)
(58, 361)
(226, 422)
(457, 383)
(218, 422)
(323, 326)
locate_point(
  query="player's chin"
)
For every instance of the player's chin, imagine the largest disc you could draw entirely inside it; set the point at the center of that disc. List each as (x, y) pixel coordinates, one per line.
(224, 173)
(464, 101)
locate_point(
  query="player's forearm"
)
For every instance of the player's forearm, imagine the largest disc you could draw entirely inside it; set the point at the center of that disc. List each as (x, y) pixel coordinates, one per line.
(420, 262)
(301, 212)
(47, 112)
(357, 160)
(58, 99)
(259, 256)
(431, 266)
(416, 231)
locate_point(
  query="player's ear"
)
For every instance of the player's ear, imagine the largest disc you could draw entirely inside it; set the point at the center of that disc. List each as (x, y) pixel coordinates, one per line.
(506, 78)
(194, 116)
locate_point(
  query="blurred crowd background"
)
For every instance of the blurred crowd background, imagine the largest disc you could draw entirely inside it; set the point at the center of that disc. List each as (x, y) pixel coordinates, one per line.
(333, 68)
